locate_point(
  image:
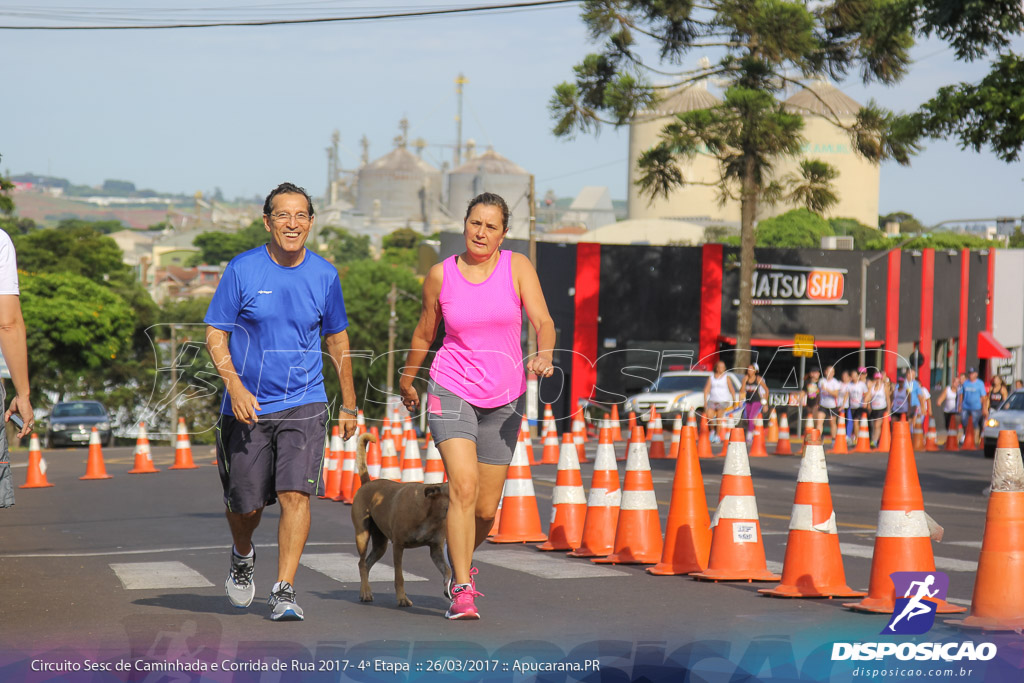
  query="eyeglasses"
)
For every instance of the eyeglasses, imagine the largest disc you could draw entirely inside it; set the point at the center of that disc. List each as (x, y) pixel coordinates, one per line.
(286, 218)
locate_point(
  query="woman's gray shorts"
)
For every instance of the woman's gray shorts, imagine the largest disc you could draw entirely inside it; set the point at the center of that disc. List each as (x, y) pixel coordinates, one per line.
(494, 430)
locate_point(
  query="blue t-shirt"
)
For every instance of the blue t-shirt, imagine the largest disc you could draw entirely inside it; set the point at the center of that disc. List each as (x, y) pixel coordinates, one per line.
(972, 393)
(276, 316)
(913, 388)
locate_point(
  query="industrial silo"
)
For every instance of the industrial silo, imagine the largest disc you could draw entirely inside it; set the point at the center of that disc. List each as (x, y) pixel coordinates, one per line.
(403, 186)
(822, 104)
(491, 172)
(691, 202)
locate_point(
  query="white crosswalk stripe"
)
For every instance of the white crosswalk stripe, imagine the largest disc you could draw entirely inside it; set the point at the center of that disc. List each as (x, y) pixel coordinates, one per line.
(941, 563)
(543, 565)
(154, 575)
(344, 567)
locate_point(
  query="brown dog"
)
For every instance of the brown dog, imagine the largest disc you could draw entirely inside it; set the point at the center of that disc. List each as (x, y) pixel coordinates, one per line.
(408, 514)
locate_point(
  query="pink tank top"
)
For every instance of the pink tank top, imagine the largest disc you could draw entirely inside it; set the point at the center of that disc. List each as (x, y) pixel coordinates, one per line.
(481, 360)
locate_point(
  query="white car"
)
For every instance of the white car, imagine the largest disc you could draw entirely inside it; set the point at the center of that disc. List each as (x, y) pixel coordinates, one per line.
(675, 393)
(1009, 415)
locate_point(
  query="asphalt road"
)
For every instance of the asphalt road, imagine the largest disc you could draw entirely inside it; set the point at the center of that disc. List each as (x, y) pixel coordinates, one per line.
(131, 569)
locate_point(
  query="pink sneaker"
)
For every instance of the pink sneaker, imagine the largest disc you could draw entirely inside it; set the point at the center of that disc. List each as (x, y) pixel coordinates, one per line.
(473, 571)
(463, 606)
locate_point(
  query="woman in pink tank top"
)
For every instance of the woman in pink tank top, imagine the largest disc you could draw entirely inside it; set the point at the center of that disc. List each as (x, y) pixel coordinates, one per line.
(477, 376)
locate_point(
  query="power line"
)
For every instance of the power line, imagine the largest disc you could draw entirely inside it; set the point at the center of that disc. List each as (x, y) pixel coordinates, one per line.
(476, 9)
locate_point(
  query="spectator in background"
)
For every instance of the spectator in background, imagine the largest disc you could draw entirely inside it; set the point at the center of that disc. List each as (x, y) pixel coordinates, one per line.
(878, 402)
(755, 393)
(810, 397)
(947, 399)
(996, 395)
(971, 401)
(859, 401)
(899, 399)
(829, 403)
(719, 397)
(1018, 385)
(918, 397)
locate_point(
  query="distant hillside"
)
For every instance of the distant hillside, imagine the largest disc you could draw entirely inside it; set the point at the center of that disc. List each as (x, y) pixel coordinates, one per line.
(48, 210)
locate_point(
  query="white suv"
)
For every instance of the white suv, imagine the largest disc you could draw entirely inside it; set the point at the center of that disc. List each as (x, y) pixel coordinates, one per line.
(674, 393)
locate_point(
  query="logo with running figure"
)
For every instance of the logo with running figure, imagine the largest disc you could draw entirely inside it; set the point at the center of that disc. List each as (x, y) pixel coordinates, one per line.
(914, 613)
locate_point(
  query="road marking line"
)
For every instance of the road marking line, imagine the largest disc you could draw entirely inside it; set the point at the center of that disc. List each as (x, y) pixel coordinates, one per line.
(941, 563)
(966, 544)
(105, 553)
(156, 575)
(344, 567)
(544, 566)
(955, 507)
(773, 566)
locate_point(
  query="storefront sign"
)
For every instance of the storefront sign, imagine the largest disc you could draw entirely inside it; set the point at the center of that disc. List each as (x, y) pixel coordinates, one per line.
(777, 285)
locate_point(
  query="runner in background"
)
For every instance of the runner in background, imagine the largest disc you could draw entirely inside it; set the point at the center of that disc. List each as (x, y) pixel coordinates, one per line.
(947, 399)
(878, 401)
(719, 397)
(858, 401)
(830, 389)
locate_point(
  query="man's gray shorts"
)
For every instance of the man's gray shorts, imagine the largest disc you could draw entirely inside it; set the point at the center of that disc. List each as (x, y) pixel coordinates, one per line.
(494, 430)
(284, 451)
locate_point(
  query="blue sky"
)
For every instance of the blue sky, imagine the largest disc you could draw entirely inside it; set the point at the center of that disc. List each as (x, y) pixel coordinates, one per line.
(245, 108)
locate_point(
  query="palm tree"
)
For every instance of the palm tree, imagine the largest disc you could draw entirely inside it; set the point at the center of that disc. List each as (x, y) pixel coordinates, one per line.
(813, 187)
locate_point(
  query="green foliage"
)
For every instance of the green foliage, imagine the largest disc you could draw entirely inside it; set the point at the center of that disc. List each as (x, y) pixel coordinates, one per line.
(935, 240)
(1016, 239)
(79, 250)
(366, 286)
(403, 238)
(75, 329)
(345, 247)
(17, 226)
(104, 227)
(6, 203)
(861, 234)
(908, 224)
(797, 228)
(216, 247)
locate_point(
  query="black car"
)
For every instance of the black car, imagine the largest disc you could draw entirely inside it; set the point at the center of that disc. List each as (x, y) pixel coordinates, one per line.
(71, 423)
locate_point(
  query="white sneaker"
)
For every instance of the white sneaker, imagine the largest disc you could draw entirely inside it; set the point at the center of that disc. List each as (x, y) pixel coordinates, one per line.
(239, 585)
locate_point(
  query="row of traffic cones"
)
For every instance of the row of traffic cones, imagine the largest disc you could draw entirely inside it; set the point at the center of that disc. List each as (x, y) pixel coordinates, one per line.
(96, 468)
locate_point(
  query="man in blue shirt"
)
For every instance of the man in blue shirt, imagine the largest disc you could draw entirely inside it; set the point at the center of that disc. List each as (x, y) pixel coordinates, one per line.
(263, 332)
(969, 396)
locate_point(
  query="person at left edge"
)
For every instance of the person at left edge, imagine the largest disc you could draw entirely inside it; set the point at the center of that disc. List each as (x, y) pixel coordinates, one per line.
(263, 333)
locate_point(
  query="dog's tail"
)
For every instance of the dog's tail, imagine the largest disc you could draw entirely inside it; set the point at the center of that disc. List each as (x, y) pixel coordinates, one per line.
(364, 476)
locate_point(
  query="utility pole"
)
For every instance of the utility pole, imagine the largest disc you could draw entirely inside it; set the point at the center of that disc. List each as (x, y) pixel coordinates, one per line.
(460, 80)
(532, 389)
(174, 380)
(392, 324)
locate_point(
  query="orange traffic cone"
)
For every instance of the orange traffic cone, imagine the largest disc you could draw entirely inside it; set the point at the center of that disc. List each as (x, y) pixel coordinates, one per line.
(996, 604)
(757, 449)
(638, 537)
(412, 465)
(930, 435)
(550, 454)
(616, 423)
(568, 501)
(389, 467)
(773, 429)
(348, 464)
(497, 518)
(143, 456)
(433, 470)
(657, 449)
(808, 428)
(579, 425)
(952, 442)
(903, 540)
(885, 435)
(374, 457)
(524, 429)
(632, 426)
(691, 420)
(677, 436)
(737, 549)
(863, 444)
(360, 423)
(182, 449)
(969, 444)
(549, 423)
(813, 567)
(917, 434)
(35, 478)
(334, 472)
(688, 529)
(602, 503)
(520, 516)
(839, 446)
(94, 467)
(783, 446)
(579, 434)
(704, 439)
(397, 433)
